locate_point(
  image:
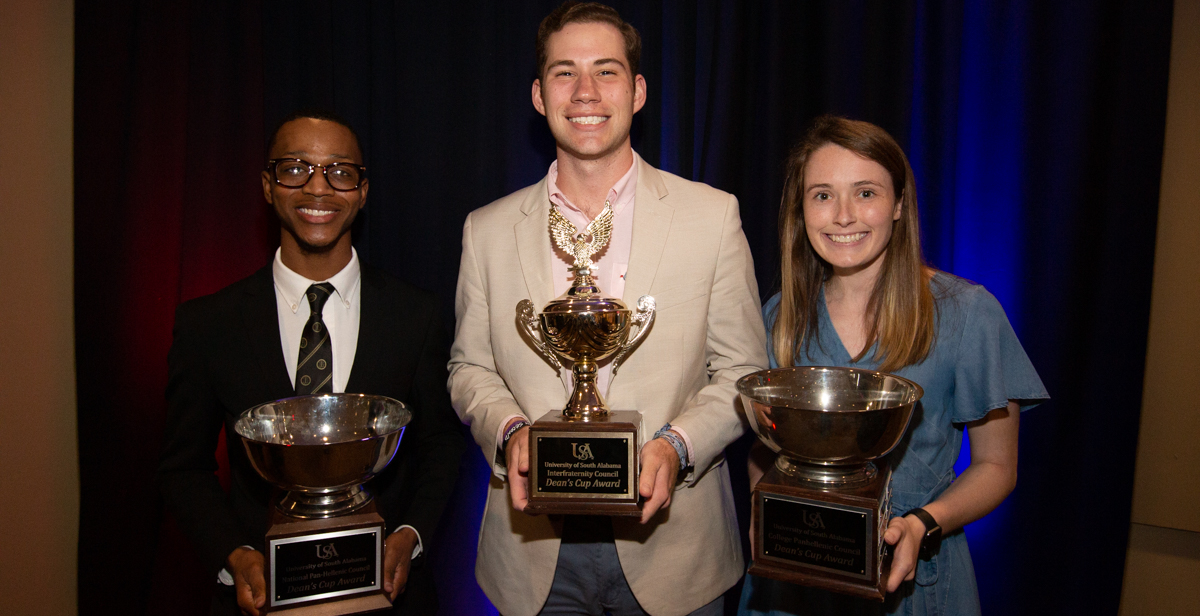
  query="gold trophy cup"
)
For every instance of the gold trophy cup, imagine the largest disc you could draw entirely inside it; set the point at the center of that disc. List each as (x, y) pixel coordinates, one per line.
(584, 459)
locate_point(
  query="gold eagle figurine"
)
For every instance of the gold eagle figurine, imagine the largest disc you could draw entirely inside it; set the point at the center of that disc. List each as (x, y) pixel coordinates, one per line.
(581, 245)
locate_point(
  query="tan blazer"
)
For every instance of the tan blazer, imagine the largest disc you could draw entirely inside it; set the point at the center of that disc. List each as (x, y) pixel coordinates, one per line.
(689, 252)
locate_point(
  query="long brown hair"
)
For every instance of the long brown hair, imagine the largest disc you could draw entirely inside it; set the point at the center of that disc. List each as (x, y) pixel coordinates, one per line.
(900, 312)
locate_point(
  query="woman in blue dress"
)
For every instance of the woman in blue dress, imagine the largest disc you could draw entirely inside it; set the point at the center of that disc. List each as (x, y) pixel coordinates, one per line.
(857, 293)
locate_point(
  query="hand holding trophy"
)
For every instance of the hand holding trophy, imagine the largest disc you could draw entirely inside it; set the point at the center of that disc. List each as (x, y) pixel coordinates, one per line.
(584, 459)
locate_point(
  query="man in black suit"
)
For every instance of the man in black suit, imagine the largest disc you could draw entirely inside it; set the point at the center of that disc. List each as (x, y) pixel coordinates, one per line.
(249, 343)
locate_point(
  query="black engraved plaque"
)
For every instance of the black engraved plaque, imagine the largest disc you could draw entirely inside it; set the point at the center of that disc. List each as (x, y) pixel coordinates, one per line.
(578, 464)
(327, 565)
(816, 534)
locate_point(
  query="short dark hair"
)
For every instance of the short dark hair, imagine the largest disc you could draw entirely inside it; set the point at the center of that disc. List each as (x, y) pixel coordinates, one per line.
(574, 12)
(316, 113)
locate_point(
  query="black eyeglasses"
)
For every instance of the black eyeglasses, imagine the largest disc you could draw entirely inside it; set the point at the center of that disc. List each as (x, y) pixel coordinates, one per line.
(296, 172)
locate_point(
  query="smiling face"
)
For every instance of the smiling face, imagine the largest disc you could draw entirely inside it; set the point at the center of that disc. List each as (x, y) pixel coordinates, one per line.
(315, 218)
(849, 208)
(587, 91)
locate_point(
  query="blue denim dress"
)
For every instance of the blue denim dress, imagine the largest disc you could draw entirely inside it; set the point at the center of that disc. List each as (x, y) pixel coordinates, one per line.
(976, 365)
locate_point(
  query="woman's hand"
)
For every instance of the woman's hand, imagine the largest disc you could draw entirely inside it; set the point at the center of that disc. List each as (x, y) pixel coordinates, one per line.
(990, 477)
(904, 534)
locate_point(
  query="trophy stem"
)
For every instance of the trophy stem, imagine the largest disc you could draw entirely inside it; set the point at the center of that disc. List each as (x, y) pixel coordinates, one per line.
(309, 505)
(585, 402)
(827, 475)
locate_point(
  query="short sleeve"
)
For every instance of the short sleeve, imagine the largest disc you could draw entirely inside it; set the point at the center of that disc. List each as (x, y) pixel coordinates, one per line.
(991, 366)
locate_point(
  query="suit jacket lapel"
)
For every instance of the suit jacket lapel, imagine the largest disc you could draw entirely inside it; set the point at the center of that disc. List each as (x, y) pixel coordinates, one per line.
(533, 246)
(261, 322)
(651, 226)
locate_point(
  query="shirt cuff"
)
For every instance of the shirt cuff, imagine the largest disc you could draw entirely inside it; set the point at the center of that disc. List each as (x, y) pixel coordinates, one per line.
(419, 547)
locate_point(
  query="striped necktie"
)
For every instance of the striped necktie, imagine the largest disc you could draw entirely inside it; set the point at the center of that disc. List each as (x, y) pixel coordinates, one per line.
(314, 370)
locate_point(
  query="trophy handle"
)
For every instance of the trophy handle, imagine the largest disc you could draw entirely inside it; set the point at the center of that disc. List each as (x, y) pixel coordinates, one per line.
(642, 320)
(529, 322)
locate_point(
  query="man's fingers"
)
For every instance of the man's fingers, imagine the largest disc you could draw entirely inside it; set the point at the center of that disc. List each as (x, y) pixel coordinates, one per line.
(518, 489)
(258, 588)
(258, 585)
(522, 448)
(646, 481)
(251, 596)
(517, 458)
(660, 496)
(397, 584)
(397, 558)
(245, 599)
(651, 506)
(246, 565)
(390, 558)
(652, 466)
(397, 581)
(517, 455)
(519, 497)
(657, 479)
(518, 483)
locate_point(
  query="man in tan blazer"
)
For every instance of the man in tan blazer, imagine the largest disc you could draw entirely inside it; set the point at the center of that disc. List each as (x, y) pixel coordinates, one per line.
(676, 240)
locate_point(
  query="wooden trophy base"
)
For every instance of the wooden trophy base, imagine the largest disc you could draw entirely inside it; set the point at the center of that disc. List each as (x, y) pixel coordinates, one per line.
(326, 567)
(584, 467)
(830, 538)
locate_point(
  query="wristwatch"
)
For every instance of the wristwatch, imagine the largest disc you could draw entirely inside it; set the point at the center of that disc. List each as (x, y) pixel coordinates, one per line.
(933, 533)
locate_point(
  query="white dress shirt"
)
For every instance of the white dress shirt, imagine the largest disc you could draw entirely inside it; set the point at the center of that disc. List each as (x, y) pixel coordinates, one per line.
(341, 316)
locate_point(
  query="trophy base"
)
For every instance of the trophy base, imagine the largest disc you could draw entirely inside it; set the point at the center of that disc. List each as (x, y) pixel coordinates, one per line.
(823, 537)
(326, 567)
(584, 467)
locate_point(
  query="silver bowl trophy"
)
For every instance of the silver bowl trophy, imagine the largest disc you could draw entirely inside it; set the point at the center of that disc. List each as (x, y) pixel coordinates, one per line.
(584, 459)
(818, 516)
(325, 538)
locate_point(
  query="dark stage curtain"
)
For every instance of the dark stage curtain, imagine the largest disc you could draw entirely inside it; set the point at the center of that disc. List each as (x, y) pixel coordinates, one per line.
(1035, 130)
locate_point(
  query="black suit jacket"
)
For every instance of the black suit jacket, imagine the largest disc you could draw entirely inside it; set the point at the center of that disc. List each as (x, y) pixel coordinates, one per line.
(226, 357)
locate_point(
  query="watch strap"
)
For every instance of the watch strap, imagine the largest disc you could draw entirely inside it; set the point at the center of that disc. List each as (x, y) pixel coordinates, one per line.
(932, 540)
